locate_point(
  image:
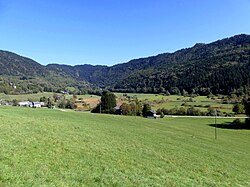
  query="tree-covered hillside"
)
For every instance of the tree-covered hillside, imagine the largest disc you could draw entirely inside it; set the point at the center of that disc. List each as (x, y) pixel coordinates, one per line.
(20, 75)
(219, 67)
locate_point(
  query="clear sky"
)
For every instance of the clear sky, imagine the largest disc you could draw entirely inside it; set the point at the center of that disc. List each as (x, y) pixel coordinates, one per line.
(108, 32)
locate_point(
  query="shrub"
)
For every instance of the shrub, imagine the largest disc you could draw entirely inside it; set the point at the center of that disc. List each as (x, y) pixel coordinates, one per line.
(238, 108)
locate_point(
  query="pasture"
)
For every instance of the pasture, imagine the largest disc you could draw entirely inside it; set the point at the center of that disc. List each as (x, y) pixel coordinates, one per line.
(25, 97)
(45, 147)
(37, 96)
(174, 101)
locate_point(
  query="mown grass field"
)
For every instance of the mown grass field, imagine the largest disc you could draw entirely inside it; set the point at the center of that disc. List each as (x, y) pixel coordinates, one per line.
(43, 147)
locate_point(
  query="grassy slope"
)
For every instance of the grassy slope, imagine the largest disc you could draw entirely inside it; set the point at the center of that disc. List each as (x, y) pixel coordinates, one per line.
(49, 147)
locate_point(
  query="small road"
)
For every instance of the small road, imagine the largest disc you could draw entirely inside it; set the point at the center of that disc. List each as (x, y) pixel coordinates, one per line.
(221, 117)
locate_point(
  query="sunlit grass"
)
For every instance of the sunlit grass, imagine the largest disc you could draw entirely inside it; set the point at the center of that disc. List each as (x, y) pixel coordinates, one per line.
(54, 148)
(174, 101)
(25, 97)
(37, 96)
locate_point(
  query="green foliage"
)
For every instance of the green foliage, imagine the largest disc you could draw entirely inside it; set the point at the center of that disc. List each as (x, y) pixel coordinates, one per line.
(126, 109)
(50, 103)
(15, 102)
(238, 108)
(21, 75)
(221, 67)
(131, 109)
(56, 97)
(107, 105)
(247, 106)
(108, 102)
(191, 111)
(146, 108)
(43, 99)
(247, 109)
(66, 103)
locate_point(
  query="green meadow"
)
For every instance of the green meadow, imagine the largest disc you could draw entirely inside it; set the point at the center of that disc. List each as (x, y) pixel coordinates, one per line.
(155, 100)
(174, 101)
(37, 96)
(45, 147)
(25, 97)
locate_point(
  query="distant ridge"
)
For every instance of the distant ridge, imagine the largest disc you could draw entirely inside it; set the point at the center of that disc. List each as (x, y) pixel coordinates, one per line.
(20, 75)
(222, 66)
(218, 67)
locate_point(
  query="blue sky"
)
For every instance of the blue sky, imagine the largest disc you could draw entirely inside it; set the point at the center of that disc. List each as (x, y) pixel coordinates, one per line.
(108, 32)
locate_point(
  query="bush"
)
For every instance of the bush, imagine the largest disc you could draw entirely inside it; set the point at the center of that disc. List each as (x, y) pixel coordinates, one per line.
(14, 102)
(238, 108)
(236, 121)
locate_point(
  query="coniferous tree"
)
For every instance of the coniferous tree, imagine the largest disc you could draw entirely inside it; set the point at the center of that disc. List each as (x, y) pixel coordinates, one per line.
(146, 108)
(108, 102)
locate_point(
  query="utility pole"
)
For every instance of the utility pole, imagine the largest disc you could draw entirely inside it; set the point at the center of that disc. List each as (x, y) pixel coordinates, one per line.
(135, 110)
(215, 127)
(100, 107)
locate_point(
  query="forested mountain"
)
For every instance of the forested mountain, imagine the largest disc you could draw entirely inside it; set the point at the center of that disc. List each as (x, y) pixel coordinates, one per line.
(14, 65)
(219, 67)
(22, 75)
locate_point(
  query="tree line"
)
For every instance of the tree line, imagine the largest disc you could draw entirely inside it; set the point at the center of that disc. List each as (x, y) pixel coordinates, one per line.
(108, 105)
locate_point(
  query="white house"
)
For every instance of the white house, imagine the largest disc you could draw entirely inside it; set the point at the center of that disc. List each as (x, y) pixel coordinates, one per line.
(31, 104)
(24, 103)
(36, 104)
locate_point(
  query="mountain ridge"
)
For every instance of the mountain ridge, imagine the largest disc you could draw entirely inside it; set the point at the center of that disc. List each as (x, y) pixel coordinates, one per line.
(120, 76)
(193, 69)
(20, 75)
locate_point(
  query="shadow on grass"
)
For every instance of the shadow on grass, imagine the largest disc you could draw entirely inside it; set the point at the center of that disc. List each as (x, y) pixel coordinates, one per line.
(232, 125)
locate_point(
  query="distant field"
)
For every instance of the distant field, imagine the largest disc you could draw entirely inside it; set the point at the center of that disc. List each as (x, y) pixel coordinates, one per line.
(39, 95)
(25, 97)
(45, 147)
(172, 101)
(156, 100)
(91, 99)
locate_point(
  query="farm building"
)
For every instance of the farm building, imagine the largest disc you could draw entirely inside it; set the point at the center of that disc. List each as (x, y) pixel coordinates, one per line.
(118, 110)
(24, 103)
(31, 104)
(151, 114)
(36, 104)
